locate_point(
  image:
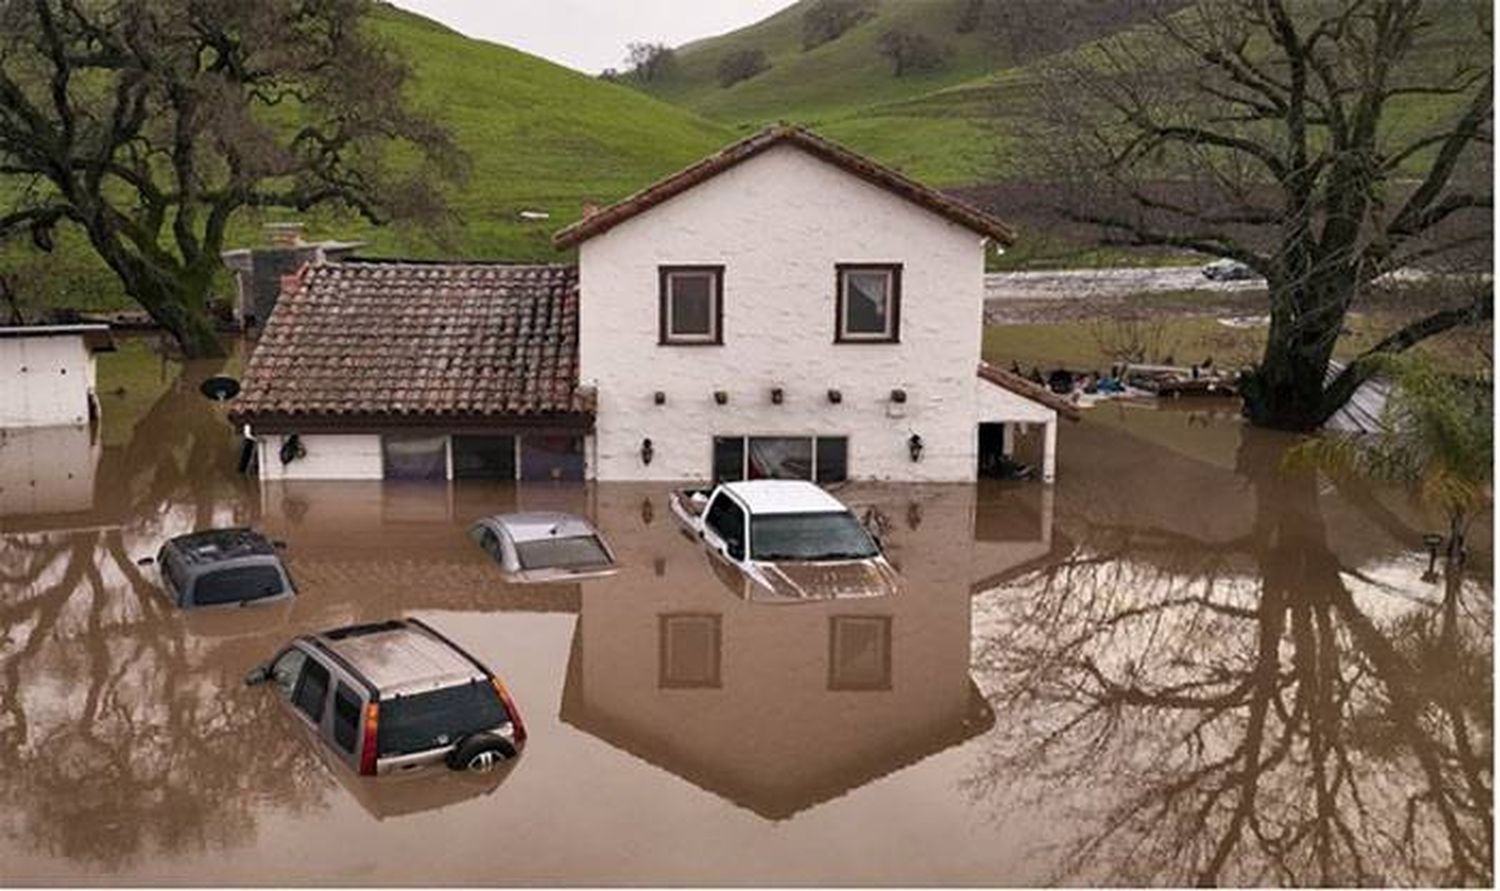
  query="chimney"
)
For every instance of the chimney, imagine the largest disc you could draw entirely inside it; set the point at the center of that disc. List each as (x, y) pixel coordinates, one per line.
(590, 208)
(284, 235)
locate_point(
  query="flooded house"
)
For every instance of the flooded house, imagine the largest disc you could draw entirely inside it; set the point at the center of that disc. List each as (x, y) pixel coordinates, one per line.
(48, 374)
(784, 308)
(260, 272)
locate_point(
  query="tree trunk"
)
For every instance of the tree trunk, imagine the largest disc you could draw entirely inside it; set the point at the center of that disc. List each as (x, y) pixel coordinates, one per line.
(1286, 392)
(176, 298)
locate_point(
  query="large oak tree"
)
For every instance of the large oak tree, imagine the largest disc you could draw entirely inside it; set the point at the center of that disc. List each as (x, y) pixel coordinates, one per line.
(1324, 144)
(148, 124)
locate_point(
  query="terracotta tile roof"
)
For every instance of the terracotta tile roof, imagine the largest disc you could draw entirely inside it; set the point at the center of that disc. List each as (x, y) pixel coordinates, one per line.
(402, 341)
(1009, 380)
(785, 134)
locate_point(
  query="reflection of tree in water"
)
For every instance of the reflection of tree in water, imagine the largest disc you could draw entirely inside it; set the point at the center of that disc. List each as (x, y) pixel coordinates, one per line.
(1229, 713)
(122, 732)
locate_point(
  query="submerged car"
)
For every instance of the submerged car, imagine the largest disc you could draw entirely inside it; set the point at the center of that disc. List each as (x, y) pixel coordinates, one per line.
(395, 697)
(219, 567)
(793, 540)
(544, 547)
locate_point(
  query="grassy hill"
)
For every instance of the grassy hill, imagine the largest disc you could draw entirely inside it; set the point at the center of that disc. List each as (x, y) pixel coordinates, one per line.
(964, 122)
(848, 90)
(539, 137)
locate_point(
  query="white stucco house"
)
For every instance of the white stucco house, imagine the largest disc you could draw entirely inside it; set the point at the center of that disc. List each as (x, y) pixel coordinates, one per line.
(783, 308)
(48, 374)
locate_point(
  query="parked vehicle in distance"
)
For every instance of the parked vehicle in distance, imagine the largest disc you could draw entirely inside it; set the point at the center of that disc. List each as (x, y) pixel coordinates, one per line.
(790, 537)
(221, 567)
(545, 547)
(1227, 270)
(395, 697)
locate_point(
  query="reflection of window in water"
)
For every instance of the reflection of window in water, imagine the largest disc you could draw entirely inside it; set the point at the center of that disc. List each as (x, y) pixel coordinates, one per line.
(690, 651)
(859, 653)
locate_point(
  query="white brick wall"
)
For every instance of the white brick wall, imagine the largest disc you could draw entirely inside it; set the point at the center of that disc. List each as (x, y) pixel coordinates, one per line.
(779, 223)
(44, 380)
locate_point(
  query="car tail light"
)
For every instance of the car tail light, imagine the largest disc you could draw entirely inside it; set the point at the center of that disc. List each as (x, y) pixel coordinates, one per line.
(372, 726)
(510, 706)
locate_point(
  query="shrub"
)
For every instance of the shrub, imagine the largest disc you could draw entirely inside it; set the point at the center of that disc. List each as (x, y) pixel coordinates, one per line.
(741, 65)
(910, 52)
(828, 20)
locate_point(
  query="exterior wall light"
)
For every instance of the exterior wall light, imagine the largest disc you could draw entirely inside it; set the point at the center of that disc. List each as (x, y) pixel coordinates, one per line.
(898, 396)
(648, 451)
(659, 397)
(721, 397)
(778, 396)
(835, 396)
(914, 446)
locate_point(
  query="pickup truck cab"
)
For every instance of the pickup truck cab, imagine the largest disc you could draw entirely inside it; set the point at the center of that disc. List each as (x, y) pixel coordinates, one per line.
(793, 539)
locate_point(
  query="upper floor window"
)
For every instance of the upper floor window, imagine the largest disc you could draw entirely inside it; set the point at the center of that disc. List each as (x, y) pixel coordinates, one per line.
(692, 304)
(869, 303)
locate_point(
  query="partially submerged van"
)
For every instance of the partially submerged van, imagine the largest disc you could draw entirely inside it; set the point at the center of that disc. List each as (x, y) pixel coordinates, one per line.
(219, 567)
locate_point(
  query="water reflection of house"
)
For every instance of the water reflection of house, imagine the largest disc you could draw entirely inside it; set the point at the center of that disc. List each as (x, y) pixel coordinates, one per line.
(47, 474)
(407, 545)
(780, 707)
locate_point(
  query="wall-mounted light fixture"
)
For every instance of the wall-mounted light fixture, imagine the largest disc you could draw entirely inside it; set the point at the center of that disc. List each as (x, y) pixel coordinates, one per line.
(721, 397)
(659, 397)
(835, 396)
(648, 451)
(778, 396)
(914, 446)
(898, 396)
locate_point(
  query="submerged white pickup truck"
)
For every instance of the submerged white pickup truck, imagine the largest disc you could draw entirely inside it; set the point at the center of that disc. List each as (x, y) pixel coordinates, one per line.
(792, 539)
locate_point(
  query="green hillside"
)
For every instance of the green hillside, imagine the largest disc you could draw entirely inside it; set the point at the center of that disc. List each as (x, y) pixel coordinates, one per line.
(539, 137)
(964, 122)
(847, 89)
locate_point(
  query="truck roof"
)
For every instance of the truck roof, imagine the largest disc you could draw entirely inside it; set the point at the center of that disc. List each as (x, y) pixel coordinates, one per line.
(784, 497)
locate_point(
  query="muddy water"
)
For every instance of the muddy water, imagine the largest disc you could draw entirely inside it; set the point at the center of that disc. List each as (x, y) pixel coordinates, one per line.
(1177, 665)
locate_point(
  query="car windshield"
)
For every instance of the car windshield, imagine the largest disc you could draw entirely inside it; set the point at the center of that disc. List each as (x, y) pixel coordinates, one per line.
(438, 718)
(830, 536)
(576, 552)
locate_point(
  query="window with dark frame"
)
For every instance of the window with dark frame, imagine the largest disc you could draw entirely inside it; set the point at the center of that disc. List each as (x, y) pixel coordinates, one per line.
(869, 303)
(346, 709)
(692, 305)
(823, 459)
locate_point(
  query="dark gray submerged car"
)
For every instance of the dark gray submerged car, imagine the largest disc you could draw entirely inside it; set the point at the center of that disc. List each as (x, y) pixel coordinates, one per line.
(219, 567)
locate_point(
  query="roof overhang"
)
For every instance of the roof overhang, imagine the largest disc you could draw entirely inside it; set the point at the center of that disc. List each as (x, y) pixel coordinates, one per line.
(273, 423)
(1020, 386)
(876, 174)
(96, 337)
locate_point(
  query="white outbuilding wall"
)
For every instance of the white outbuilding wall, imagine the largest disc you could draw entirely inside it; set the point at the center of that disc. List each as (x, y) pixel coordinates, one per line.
(779, 223)
(46, 378)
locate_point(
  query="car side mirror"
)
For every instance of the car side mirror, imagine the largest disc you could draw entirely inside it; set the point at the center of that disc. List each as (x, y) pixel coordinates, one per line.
(257, 675)
(278, 544)
(146, 561)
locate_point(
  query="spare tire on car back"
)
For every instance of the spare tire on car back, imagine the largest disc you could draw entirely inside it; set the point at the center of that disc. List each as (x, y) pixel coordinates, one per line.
(480, 753)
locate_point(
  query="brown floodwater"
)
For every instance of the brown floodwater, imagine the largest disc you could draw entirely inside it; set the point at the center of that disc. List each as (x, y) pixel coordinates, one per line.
(1177, 665)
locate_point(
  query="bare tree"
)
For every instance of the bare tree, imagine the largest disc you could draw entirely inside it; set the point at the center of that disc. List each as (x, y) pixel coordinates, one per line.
(828, 20)
(910, 52)
(741, 65)
(1282, 135)
(147, 124)
(649, 62)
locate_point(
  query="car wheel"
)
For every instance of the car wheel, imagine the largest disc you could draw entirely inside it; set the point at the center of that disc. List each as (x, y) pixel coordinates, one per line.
(481, 753)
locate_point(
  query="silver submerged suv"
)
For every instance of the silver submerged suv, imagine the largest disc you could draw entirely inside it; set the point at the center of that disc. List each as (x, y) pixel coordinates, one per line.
(219, 567)
(388, 697)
